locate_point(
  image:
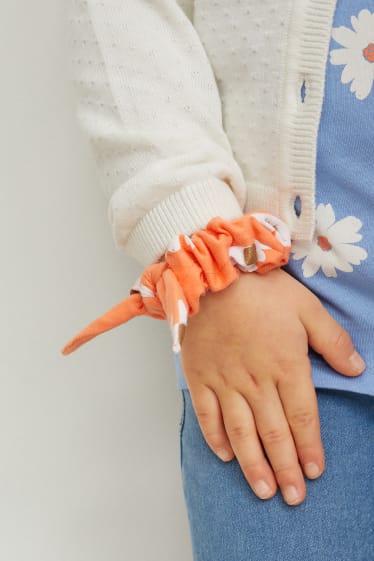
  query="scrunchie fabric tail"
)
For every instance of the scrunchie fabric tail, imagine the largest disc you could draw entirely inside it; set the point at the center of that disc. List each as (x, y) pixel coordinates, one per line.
(210, 259)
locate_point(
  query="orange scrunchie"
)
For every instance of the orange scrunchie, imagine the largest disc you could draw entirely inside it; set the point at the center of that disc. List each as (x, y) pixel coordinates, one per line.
(209, 259)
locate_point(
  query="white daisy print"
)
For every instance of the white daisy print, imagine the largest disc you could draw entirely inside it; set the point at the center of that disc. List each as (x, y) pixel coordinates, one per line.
(175, 243)
(246, 258)
(144, 290)
(357, 54)
(331, 247)
(275, 225)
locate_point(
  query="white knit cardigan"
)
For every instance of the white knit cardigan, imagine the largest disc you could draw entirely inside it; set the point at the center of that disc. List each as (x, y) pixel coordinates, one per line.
(199, 108)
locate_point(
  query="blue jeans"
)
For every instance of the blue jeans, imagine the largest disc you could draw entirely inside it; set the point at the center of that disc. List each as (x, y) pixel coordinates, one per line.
(334, 523)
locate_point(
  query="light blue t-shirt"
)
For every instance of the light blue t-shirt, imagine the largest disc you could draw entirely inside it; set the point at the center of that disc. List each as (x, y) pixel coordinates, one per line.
(338, 265)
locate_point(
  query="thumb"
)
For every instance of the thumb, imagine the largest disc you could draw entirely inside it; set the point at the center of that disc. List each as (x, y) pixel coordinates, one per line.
(327, 337)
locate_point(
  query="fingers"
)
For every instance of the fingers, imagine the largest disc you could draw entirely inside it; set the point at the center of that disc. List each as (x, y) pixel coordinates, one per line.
(298, 396)
(328, 338)
(209, 416)
(236, 434)
(241, 430)
(287, 424)
(279, 445)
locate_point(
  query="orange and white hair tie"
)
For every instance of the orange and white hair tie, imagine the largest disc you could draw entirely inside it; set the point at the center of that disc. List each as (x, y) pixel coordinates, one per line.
(209, 259)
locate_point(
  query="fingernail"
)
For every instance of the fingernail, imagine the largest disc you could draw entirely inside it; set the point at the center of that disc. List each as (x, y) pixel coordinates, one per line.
(262, 489)
(223, 454)
(311, 469)
(357, 362)
(291, 494)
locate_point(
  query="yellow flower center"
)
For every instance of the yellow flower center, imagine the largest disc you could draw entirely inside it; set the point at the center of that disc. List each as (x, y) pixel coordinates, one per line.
(368, 52)
(324, 243)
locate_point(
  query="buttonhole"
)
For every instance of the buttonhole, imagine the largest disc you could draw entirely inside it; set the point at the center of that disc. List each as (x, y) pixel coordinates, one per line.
(303, 91)
(297, 205)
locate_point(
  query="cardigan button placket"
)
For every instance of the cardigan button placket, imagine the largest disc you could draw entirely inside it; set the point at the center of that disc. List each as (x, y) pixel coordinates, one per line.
(297, 199)
(297, 205)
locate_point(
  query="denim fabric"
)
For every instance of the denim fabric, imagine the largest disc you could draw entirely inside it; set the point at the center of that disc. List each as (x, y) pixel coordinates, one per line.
(334, 523)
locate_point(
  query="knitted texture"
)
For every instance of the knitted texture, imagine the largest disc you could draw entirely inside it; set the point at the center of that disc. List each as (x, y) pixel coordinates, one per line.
(209, 108)
(211, 259)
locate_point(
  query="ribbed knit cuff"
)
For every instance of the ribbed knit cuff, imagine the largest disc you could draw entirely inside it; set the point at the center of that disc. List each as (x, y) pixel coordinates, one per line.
(185, 211)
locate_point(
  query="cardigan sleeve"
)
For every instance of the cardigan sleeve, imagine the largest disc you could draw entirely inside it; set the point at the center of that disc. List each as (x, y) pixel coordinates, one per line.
(148, 101)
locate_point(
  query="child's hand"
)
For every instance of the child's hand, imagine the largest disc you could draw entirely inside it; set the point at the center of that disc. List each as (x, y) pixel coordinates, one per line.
(245, 359)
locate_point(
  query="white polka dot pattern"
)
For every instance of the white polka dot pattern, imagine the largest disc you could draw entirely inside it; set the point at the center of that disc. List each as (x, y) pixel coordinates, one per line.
(193, 109)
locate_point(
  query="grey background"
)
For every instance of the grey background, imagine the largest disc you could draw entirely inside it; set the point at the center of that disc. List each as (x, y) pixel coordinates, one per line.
(89, 465)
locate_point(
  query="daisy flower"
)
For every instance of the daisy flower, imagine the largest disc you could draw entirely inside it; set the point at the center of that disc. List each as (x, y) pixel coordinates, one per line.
(357, 56)
(331, 247)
